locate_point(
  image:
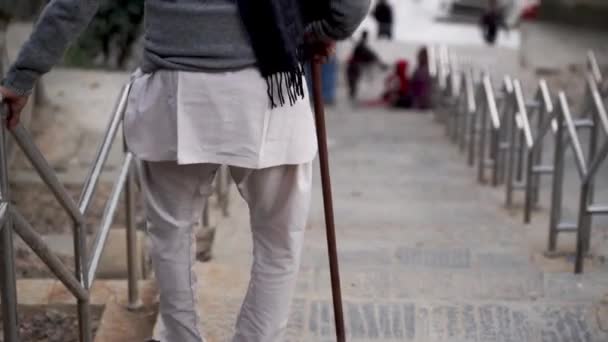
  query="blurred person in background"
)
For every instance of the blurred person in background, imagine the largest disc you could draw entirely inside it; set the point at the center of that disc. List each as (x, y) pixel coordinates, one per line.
(396, 91)
(491, 21)
(362, 57)
(383, 13)
(221, 82)
(421, 82)
(398, 86)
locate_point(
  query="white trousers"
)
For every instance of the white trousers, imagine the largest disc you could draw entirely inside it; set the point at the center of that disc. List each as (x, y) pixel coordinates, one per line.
(279, 202)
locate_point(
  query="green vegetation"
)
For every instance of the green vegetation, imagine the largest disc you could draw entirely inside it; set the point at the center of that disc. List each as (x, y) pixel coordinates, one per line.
(110, 36)
(108, 40)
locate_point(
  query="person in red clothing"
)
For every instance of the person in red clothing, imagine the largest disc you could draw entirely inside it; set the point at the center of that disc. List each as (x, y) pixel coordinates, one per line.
(397, 92)
(396, 88)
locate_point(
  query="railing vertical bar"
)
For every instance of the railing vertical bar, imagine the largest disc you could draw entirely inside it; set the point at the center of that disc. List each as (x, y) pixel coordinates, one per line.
(473, 122)
(511, 131)
(81, 269)
(583, 228)
(3, 213)
(134, 301)
(471, 108)
(558, 179)
(7, 271)
(545, 111)
(481, 158)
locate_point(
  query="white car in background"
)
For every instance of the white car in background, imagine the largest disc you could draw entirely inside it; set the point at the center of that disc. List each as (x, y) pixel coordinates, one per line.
(514, 10)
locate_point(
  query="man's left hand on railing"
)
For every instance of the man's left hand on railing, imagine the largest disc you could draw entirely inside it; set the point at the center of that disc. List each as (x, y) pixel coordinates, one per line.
(15, 104)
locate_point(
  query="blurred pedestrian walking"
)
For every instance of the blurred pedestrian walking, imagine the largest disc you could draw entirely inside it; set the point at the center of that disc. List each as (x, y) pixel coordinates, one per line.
(383, 13)
(363, 57)
(491, 21)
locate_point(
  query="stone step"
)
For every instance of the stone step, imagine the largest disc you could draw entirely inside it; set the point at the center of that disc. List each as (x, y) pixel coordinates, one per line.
(113, 263)
(419, 320)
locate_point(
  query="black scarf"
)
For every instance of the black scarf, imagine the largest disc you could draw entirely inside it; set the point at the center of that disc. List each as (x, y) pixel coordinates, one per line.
(276, 30)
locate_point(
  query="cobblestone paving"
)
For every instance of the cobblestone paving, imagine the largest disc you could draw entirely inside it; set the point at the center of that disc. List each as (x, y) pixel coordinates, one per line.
(427, 255)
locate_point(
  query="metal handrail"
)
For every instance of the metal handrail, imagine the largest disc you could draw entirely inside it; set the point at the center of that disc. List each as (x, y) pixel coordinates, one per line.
(523, 114)
(575, 142)
(80, 283)
(518, 138)
(490, 109)
(534, 167)
(491, 102)
(586, 206)
(593, 106)
(472, 123)
(90, 184)
(469, 107)
(598, 102)
(586, 167)
(480, 102)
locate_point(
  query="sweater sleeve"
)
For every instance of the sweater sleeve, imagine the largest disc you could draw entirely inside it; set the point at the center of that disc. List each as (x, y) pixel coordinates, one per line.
(59, 24)
(341, 21)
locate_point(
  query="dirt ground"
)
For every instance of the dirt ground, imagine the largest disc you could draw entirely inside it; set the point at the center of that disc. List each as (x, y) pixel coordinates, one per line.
(51, 324)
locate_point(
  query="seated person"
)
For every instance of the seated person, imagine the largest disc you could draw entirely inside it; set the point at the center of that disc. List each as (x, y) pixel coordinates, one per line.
(397, 92)
(421, 82)
(396, 88)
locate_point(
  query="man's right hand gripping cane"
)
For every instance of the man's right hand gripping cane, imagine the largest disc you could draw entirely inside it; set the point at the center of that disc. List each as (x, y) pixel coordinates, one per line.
(15, 104)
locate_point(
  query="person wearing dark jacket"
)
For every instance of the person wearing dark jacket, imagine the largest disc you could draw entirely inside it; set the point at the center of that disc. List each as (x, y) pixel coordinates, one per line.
(221, 82)
(491, 21)
(363, 56)
(383, 13)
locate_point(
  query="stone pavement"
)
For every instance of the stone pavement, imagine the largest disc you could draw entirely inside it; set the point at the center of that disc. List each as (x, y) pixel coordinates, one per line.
(426, 253)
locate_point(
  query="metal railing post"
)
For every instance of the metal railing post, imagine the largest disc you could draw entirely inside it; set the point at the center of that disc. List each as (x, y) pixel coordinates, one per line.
(503, 144)
(471, 108)
(473, 126)
(546, 110)
(520, 141)
(80, 264)
(481, 157)
(558, 179)
(586, 220)
(134, 301)
(583, 232)
(511, 131)
(7, 271)
(495, 153)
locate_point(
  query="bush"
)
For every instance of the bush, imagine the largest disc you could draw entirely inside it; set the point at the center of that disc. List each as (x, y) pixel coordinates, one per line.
(110, 35)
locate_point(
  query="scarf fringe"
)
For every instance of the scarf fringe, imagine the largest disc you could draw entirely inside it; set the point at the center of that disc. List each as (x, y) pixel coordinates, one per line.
(291, 82)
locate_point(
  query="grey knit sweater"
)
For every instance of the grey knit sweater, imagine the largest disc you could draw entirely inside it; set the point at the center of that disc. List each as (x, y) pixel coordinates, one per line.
(192, 35)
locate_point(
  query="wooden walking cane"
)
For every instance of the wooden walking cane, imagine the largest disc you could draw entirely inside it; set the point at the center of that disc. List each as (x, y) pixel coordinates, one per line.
(327, 201)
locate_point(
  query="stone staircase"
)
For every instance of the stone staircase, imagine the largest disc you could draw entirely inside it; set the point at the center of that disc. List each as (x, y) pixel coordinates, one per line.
(426, 253)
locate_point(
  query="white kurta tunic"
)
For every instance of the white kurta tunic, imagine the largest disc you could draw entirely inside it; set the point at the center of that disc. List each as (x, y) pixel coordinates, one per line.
(217, 118)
